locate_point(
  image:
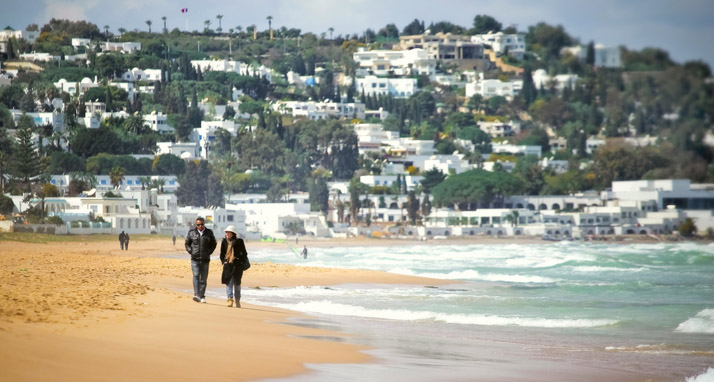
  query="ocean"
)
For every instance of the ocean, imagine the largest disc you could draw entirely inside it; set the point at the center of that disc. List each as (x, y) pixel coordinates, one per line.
(642, 310)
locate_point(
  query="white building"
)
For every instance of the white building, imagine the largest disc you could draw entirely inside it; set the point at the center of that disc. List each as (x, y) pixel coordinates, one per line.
(411, 181)
(136, 74)
(79, 42)
(35, 56)
(56, 119)
(372, 137)
(677, 192)
(216, 219)
(320, 110)
(500, 129)
(72, 87)
(183, 150)
(400, 63)
(158, 122)
(499, 148)
(560, 81)
(490, 88)
(397, 87)
(233, 66)
(124, 47)
(447, 164)
(513, 44)
(592, 143)
(605, 57)
(559, 166)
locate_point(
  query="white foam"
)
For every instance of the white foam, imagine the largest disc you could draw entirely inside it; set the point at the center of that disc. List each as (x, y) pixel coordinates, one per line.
(703, 322)
(596, 269)
(327, 307)
(707, 376)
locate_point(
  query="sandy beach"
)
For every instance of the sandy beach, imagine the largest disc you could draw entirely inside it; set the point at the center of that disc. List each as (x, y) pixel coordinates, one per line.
(84, 310)
(88, 311)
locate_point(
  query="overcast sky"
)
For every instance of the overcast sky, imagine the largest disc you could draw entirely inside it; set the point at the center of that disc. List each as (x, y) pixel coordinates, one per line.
(685, 28)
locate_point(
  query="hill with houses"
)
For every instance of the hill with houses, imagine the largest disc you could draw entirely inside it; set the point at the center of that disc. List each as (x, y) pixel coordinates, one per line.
(427, 131)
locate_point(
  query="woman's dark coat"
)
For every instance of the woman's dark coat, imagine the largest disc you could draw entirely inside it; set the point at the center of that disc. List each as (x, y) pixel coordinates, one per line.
(240, 258)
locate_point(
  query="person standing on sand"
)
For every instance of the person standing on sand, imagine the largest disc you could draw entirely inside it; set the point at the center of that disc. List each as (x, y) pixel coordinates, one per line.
(200, 244)
(122, 239)
(174, 239)
(126, 242)
(234, 257)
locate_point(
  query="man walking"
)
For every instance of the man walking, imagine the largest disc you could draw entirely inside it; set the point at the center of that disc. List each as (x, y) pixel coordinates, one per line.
(122, 239)
(200, 244)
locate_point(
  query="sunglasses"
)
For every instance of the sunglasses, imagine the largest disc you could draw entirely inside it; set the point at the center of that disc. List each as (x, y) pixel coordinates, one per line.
(197, 224)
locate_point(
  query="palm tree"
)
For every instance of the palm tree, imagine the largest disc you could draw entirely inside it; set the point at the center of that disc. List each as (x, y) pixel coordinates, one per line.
(331, 29)
(164, 20)
(116, 175)
(145, 181)
(148, 22)
(122, 31)
(270, 26)
(208, 25)
(106, 32)
(220, 28)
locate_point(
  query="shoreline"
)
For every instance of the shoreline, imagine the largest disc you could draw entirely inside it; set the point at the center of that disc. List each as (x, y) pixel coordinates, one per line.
(84, 310)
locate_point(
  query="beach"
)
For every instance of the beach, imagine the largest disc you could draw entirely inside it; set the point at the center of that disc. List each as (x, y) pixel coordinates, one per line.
(88, 311)
(84, 310)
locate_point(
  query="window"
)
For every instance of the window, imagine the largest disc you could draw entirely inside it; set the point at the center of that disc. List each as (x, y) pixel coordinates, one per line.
(129, 182)
(230, 218)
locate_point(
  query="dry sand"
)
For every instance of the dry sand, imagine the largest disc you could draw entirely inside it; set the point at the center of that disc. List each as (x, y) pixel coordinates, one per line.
(88, 311)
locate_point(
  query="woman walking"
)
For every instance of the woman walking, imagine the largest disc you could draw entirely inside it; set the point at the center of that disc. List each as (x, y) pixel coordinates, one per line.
(235, 259)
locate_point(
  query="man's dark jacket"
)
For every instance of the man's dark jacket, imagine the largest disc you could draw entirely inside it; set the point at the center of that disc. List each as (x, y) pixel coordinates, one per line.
(200, 247)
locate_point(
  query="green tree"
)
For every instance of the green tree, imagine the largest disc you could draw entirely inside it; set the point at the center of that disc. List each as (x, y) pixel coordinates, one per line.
(116, 175)
(414, 28)
(475, 187)
(484, 24)
(25, 163)
(431, 179)
(319, 195)
(168, 164)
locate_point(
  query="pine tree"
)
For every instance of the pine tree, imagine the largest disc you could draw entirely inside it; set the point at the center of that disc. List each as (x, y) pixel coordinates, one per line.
(25, 163)
(528, 92)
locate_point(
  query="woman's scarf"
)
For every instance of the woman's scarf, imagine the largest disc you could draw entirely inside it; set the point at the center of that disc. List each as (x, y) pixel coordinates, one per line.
(229, 251)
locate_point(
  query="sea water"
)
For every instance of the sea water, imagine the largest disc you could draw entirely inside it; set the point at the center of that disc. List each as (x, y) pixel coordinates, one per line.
(644, 308)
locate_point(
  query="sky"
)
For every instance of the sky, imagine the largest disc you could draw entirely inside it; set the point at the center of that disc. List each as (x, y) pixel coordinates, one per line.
(680, 27)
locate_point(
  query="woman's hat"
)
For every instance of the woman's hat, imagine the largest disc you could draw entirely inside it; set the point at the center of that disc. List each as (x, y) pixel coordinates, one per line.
(231, 228)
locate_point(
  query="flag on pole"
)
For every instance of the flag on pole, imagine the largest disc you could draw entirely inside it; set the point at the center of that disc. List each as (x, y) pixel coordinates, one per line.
(184, 10)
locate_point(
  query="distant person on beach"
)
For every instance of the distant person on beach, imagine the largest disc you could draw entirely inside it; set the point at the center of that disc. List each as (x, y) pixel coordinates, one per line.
(304, 252)
(234, 258)
(200, 244)
(174, 239)
(126, 242)
(122, 240)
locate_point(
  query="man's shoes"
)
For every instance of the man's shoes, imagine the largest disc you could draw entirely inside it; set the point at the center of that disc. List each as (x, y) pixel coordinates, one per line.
(203, 300)
(195, 298)
(230, 302)
(237, 304)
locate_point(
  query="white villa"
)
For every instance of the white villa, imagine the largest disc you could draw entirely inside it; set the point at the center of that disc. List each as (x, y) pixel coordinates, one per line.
(158, 122)
(560, 81)
(137, 74)
(511, 44)
(320, 110)
(605, 57)
(400, 63)
(397, 87)
(490, 88)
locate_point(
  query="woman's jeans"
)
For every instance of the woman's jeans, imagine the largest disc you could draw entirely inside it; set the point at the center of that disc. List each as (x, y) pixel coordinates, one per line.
(200, 274)
(233, 285)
